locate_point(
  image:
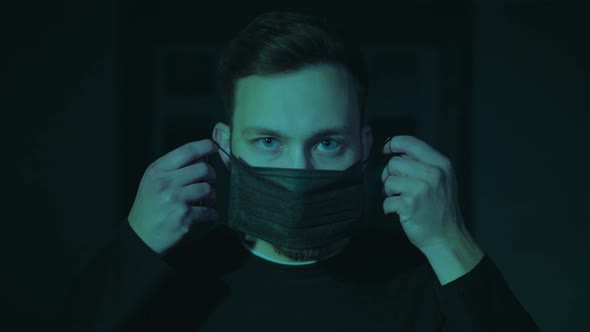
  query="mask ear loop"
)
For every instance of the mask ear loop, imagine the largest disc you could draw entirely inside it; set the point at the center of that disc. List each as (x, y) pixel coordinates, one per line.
(207, 162)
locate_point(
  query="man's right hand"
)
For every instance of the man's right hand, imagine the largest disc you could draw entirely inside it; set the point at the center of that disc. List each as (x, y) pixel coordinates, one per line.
(165, 203)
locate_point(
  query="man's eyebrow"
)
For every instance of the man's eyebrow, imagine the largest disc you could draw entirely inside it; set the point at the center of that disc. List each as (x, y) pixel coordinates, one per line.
(257, 130)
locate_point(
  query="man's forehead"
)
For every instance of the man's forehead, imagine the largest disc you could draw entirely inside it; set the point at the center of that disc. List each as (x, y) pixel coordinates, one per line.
(344, 129)
(310, 89)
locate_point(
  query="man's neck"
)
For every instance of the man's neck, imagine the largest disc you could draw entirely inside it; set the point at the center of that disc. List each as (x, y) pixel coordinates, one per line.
(265, 250)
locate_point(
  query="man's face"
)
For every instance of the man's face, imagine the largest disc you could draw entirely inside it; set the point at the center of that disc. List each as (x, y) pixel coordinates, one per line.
(278, 122)
(296, 105)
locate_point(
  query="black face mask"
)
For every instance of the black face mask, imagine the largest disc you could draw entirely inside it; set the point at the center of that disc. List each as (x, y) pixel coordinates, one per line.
(296, 208)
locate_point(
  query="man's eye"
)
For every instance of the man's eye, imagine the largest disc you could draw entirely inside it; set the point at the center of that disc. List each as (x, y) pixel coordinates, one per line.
(263, 142)
(266, 144)
(332, 146)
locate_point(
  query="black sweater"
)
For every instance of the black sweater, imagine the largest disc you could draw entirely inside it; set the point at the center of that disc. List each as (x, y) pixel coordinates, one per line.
(379, 282)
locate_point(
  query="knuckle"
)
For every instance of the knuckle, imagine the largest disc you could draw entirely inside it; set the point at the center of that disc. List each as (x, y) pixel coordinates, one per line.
(447, 165)
(188, 149)
(152, 169)
(423, 187)
(394, 164)
(386, 184)
(391, 163)
(183, 210)
(204, 171)
(170, 196)
(389, 180)
(162, 184)
(200, 169)
(441, 174)
(409, 201)
(435, 174)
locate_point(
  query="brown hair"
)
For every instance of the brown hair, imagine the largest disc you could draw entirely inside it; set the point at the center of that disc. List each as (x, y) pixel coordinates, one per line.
(283, 42)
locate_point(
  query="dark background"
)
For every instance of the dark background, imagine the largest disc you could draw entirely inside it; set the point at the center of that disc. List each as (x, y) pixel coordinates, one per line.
(499, 87)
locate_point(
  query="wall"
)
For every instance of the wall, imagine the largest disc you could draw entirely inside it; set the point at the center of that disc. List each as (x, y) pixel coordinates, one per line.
(61, 124)
(530, 159)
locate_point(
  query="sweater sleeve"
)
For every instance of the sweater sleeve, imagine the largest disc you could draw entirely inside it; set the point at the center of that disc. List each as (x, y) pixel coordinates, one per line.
(481, 300)
(112, 288)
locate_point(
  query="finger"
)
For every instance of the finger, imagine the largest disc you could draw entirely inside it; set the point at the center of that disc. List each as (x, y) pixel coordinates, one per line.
(210, 200)
(196, 198)
(397, 205)
(204, 158)
(200, 214)
(400, 185)
(199, 172)
(416, 149)
(408, 167)
(186, 154)
(201, 194)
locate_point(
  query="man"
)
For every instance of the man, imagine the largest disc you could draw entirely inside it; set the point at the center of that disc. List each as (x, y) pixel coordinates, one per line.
(294, 91)
(275, 124)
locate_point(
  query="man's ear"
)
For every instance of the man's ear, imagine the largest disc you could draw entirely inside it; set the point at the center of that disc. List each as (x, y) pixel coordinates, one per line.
(221, 135)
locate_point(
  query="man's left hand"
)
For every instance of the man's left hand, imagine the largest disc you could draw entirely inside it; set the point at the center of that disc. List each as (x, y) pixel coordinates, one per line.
(420, 187)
